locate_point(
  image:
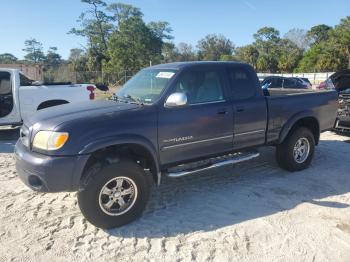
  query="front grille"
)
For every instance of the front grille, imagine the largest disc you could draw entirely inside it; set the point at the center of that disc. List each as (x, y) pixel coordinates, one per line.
(24, 135)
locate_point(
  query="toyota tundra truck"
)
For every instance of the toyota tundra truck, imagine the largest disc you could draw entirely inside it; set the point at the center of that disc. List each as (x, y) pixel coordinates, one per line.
(168, 120)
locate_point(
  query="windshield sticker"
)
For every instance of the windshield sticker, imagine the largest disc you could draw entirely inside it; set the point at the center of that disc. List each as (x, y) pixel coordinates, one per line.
(167, 75)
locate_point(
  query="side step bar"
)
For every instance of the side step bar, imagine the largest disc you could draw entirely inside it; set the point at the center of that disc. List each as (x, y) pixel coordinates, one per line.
(230, 161)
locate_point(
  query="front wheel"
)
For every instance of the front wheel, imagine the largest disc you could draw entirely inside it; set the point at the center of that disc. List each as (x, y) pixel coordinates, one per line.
(113, 194)
(297, 150)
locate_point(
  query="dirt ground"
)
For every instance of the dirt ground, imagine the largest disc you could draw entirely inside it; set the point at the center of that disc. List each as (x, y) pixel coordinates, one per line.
(252, 212)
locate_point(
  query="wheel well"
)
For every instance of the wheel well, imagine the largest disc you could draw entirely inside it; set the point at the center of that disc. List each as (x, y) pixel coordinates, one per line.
(310, 123)
(51, 103)
(130, 151)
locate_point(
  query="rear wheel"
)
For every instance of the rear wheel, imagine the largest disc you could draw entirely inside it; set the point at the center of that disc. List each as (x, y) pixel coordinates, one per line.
(114, 194)
(297, 150)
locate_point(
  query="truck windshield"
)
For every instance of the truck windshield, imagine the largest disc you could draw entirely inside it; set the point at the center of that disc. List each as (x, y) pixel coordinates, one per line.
(146, 86)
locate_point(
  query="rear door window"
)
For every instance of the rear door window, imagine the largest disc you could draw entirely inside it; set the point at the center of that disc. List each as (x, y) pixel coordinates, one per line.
(242, 83)
(277, 83)
(290, 83)
(25, 81)
(5, 83)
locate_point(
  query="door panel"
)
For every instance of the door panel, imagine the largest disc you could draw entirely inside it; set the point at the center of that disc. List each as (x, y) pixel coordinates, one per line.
(201, 128)
(250, 118)
(249, 109)
(194, 131)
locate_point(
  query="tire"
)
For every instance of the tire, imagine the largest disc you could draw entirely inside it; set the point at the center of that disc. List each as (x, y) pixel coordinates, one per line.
(285, 151)
(94, 203)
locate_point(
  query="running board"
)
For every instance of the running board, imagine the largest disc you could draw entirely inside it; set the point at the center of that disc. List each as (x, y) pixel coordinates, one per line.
(234, 159)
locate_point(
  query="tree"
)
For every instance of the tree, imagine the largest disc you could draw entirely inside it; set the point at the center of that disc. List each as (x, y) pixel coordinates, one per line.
(161, 29)
(213, 46)
(185, 52)
(78, 59)
(169, 53)
(330, 50)
(122, 12)
(34, 51)
(319, 33)
(7, 58)
(133, 46)
(289, 55)
(267, 43)
(96, 26)
(298, 37)
(53, 59)
(342, 35)
(266, 34)
(248, 54)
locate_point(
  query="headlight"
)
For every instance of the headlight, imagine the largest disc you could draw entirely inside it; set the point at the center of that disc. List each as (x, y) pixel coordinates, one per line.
(49, 140)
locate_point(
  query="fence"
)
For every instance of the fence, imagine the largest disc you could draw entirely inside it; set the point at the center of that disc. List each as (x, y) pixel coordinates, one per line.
(119, 78)
(116, 79)
(315, 78)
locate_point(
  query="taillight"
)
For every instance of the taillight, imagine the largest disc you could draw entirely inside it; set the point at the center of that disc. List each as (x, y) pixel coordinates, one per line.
(92, 94)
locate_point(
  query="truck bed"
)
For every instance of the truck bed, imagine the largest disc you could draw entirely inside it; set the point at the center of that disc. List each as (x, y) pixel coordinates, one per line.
(283, 108)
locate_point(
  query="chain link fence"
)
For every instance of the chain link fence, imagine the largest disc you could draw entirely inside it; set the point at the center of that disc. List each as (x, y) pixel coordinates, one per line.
(94, 77)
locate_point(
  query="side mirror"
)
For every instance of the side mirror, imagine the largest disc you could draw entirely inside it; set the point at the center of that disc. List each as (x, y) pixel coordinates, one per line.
(176, 100)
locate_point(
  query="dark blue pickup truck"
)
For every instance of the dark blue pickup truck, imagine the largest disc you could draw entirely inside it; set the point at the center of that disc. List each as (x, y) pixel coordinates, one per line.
(174, 120)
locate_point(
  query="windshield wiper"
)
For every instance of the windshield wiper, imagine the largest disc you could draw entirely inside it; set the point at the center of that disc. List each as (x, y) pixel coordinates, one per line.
(134, 99)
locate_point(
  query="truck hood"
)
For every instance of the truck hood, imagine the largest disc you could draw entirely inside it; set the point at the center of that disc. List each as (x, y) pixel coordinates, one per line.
(52, 117)
(341, 80)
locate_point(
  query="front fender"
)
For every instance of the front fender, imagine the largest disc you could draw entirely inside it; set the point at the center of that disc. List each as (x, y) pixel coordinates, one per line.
(291, 122)
(104, 142)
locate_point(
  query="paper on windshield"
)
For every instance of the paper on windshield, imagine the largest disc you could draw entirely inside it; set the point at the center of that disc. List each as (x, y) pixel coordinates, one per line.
(167, 75)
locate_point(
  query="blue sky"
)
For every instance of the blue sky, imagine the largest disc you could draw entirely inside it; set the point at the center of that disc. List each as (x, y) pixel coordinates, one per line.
(49, 20)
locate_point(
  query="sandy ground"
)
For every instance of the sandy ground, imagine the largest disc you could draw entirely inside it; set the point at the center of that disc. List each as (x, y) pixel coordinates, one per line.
(252, 212)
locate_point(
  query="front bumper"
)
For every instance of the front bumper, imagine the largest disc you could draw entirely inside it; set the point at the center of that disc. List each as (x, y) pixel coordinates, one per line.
(49, 173)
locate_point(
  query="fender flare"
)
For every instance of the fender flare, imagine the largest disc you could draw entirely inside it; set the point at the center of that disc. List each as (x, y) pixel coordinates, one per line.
(293, 120)
(101, 143)
(55, 102)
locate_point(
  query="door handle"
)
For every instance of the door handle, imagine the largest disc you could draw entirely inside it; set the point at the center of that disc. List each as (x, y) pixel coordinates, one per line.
(222, 111)
(240, 109)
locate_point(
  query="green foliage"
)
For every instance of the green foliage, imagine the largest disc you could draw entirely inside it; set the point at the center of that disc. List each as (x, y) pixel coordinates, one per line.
(330, 50)
(133, 46)
(118, 38)
(213, 46)
(180, 53)
(95, 26)
(319, 33)
(269, 52)
(34, 50)
(248, 54)
(52, 59)
(266, 34)
(78, 59)
(119, 43)
(341, 32)
(7, 58)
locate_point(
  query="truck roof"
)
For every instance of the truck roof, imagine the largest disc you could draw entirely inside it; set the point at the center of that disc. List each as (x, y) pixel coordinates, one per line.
(181, 65)
(9, 70)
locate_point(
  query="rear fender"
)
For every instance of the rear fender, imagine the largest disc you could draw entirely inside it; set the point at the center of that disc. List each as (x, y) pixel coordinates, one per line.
(293, 120)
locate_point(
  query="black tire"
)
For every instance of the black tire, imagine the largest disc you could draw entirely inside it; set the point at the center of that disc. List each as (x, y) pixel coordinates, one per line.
(285, 151)
(96, 178)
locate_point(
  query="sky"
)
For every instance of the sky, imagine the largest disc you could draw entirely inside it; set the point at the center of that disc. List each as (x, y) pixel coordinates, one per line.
(49, 21)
